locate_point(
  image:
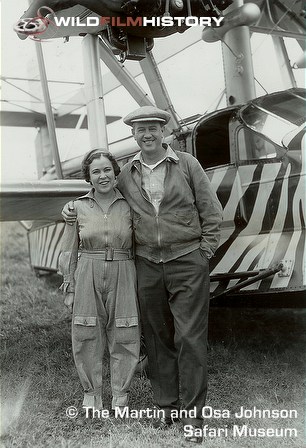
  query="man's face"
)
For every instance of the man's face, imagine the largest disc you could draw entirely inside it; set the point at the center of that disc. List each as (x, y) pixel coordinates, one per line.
(148, 135)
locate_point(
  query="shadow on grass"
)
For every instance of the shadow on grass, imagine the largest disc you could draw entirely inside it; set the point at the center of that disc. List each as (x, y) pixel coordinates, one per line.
(264, 330)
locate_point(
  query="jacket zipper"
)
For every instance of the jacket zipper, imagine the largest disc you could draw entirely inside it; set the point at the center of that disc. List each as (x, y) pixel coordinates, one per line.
(158, 236)
(156, 216)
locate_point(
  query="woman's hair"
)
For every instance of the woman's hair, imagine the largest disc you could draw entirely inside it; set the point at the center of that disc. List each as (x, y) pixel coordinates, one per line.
(96, 154)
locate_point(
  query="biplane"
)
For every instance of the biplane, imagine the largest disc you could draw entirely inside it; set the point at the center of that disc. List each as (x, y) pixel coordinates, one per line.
(252, 149)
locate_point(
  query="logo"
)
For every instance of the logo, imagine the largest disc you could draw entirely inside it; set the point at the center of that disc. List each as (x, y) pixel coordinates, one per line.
(36, 26)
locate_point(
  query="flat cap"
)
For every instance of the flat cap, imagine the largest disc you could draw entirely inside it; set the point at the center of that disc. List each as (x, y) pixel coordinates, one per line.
(147, 113)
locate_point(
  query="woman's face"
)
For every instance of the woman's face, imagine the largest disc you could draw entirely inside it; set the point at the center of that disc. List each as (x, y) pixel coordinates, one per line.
(102, 175)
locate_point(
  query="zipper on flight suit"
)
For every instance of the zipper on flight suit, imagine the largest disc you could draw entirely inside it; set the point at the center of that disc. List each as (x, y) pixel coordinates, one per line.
(106, 242)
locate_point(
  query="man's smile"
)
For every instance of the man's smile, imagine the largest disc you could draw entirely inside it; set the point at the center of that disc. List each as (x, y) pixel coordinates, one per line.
(148, 142)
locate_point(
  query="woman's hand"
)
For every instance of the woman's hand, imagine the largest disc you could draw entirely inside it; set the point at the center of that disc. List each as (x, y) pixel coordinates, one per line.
(69, 214)
(69, 299)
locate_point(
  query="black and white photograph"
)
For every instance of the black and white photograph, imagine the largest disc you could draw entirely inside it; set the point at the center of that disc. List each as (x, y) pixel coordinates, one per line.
(153, 270)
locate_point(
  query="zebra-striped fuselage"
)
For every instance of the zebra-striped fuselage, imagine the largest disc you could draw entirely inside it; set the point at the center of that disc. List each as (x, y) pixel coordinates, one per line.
(264, 221)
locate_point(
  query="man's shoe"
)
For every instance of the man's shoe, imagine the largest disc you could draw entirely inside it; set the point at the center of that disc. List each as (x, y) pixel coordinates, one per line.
(162, 423)
(194, 438)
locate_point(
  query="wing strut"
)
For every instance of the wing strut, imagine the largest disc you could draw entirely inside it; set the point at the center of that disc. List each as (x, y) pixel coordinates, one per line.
(124, 76)
(284, 63)
(49, 112)
(237, 60)
(158, 88)
(94, 93)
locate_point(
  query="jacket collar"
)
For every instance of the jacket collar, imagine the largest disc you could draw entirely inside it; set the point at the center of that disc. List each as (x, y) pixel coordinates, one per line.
(170, 156)
(90, 195)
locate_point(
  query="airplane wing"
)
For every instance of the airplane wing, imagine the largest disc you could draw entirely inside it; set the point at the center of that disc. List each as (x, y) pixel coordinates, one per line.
(38, 200)
(281, 18)
(29, 119)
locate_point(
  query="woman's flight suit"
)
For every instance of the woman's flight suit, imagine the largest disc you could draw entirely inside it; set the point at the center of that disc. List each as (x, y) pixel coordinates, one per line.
(96, 263)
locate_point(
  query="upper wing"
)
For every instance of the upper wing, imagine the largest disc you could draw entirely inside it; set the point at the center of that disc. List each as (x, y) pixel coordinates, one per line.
(38, 200)
(32, 119)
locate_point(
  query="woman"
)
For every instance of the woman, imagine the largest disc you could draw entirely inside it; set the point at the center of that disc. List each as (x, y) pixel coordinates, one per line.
(100, 283)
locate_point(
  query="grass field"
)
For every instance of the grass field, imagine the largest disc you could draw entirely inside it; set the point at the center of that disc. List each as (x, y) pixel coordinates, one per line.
(256, 358)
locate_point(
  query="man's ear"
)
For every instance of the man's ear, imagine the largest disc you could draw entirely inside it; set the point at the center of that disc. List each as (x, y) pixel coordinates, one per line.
(133, 133)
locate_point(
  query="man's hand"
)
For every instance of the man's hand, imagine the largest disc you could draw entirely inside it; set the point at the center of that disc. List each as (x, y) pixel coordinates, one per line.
(69, 214)
(69, 299)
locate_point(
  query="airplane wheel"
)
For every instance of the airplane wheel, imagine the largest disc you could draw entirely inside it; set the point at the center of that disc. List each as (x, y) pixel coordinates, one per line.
(31, 26)
(41, 273)
(37, 273)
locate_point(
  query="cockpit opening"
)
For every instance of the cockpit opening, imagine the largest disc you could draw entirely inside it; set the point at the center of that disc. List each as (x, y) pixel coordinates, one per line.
(211, 140)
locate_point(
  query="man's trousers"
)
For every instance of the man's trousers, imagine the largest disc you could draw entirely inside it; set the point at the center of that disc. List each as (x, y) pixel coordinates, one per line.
(174, 304)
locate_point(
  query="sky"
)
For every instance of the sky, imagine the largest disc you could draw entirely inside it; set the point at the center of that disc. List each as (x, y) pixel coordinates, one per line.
(194, 80)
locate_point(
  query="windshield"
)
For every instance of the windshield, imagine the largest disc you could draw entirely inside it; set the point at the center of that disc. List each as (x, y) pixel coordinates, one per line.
(275, 116)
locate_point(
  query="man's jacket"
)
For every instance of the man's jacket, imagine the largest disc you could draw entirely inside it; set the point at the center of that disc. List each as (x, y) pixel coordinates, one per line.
(189, 215)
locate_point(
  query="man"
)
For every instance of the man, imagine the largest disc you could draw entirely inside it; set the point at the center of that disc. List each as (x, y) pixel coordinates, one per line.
(176, 219)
